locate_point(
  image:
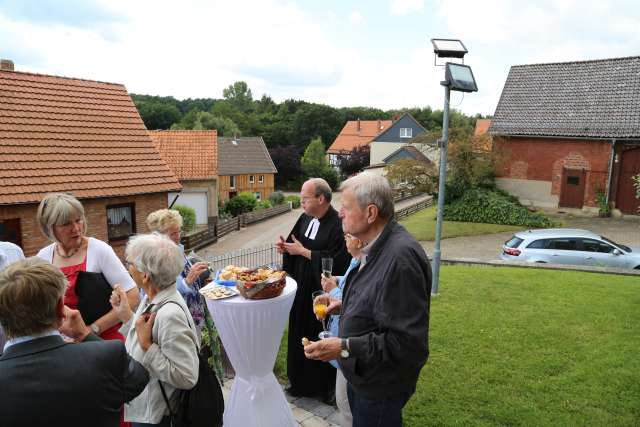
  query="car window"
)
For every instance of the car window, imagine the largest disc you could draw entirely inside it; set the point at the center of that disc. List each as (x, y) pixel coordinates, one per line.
(563, 244)
(514, 242)
(591, 245)
(625, 248)
(538, 244)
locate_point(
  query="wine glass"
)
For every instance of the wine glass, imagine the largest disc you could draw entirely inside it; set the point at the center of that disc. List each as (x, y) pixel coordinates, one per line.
(320, 310)
(327, 267)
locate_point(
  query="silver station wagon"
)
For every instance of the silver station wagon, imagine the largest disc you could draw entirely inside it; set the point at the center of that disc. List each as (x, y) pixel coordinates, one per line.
(569, 246)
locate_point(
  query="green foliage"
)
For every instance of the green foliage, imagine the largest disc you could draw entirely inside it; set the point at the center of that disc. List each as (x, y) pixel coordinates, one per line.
(411, 173)
(276, 198)
(243, 202)
(263, 204)
(295, 201)
(188, 217)
(636, 183)
(203, 120)
(157, 115)
(492, 207)
(314, 163)
(604, 209)
(239, 95)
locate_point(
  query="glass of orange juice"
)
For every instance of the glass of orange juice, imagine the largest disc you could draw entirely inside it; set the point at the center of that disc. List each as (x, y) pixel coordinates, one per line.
(320, 310)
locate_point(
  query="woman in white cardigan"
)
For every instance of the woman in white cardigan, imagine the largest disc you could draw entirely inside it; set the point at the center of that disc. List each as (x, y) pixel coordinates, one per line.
(171, 353)
(61, 218)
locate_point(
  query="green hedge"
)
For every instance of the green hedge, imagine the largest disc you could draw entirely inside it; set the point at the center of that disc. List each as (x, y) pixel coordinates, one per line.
(295, 201)
(494, 207)
(188, 217)
(243, 202)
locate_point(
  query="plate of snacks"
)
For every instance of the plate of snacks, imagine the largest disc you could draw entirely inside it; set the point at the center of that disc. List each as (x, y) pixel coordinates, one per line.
(228, 276)
(215, 291)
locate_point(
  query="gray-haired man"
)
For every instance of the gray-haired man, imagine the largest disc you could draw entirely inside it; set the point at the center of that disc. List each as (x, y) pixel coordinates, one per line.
(384, 327)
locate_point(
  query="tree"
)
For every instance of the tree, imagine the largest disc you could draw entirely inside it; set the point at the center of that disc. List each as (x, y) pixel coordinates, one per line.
(203, 120)
(413, 174)
(355, 161)
(286, 159)
(156, 115)
(313, 120)
(314, 163)
(239, 95)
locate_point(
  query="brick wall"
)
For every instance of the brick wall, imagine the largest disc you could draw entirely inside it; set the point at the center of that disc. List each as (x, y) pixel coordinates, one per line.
(96, 212)
(543, 159)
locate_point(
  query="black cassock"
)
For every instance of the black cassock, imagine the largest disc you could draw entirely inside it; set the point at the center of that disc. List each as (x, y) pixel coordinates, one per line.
(311, 377)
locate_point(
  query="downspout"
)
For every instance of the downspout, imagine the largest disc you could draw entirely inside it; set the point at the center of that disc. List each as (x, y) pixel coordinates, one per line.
(613, 154)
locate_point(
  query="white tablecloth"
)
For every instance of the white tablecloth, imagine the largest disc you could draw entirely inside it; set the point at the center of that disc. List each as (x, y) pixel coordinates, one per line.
(251, 331)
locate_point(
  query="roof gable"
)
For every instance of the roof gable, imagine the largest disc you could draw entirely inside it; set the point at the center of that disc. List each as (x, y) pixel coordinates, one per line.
(392, 133)
(407, 152)
(191, 154)
(356, 133)
(594, 99)
(79, 136)
(240, 156)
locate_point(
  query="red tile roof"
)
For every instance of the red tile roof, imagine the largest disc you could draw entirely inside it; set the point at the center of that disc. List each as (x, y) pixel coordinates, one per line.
(352, 135)
(482, 126)
(72, 135)
(191, 154)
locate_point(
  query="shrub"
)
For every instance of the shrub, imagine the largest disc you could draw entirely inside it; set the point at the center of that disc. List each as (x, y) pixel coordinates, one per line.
(276, 198)
(295, 201)
(188, 217)
(492, 207)
(263, 204)
(243, 202)
(331, 176)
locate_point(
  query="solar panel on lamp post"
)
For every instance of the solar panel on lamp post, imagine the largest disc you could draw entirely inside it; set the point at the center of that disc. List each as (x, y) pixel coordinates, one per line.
(458, 77)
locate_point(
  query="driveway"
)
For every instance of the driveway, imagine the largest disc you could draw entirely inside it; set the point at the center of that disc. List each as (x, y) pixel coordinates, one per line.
(487, 247)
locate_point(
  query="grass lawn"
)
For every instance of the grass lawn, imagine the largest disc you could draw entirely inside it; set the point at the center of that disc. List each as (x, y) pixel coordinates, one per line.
(423, 226)
(526, 347)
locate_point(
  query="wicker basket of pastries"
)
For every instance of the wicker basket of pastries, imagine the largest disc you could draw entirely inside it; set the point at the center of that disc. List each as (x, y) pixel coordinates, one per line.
(262, 283)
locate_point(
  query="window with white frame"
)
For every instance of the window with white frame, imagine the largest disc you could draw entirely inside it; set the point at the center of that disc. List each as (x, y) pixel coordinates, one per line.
(261, 178)
(252, 179)
(120, 221)
(232, 181)
(406, 132)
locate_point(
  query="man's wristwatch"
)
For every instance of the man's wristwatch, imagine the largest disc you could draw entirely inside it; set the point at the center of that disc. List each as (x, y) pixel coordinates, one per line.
(95, 328)
(344, 344)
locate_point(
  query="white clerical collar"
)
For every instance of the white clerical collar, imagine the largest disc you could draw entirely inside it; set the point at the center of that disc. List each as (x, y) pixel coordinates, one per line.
(312, 229)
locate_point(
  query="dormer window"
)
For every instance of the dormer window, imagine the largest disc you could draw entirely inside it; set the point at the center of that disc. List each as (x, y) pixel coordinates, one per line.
(406, 132)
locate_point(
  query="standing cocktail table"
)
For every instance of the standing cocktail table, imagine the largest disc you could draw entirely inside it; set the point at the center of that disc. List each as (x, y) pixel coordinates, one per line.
(251, 331)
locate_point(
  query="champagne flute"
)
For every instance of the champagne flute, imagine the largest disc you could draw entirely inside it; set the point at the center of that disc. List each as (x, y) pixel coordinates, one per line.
(320, 310)
(327, 267)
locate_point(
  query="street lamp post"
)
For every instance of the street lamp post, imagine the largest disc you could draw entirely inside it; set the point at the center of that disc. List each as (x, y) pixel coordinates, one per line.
(458, 77)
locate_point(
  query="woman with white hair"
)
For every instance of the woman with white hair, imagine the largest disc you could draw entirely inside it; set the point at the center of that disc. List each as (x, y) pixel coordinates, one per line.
(61, 218)
(171, 355)
(189, 281)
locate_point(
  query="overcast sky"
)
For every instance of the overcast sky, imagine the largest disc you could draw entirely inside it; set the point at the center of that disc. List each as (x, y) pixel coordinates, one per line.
(373, 53)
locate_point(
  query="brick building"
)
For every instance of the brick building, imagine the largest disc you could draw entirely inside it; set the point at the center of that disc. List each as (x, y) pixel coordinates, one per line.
(192, 155)
(83, 137)
(565, 131)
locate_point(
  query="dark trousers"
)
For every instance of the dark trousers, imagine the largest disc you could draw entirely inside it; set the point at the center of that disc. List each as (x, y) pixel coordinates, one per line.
(385, 412)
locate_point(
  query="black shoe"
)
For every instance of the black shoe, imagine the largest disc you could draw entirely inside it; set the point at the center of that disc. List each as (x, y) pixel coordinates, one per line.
(329, 399)
(292, 392)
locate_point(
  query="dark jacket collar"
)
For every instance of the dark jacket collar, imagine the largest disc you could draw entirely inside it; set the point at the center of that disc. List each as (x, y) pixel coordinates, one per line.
(381, 240)
(37, 345)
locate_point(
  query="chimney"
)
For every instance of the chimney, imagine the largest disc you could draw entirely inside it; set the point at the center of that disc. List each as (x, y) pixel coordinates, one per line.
(358, 124)
(6, 65)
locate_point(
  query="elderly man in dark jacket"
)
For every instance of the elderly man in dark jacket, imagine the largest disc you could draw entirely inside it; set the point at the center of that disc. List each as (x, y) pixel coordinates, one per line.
(384, 326)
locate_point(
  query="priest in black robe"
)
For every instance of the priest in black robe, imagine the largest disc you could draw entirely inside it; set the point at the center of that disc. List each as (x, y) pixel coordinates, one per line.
(317, 234)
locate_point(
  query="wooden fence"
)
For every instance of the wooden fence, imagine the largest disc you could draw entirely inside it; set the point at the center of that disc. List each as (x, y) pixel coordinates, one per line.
(405, 212)
(208, 236)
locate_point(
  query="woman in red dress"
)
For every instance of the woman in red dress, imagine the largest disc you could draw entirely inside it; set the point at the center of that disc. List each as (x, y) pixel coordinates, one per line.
(61, 218)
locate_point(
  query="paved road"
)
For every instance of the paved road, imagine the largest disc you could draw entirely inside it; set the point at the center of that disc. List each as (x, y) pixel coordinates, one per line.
(268, 231)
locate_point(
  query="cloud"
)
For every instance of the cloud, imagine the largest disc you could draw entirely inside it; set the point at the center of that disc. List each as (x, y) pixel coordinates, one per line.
(355, 18)
(79, 13)
(403, 7)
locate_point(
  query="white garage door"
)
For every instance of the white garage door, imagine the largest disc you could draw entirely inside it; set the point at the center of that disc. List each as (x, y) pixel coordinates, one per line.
(193, 199)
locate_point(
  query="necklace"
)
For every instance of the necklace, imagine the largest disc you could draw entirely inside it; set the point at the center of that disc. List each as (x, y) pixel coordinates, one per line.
(68, 255)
